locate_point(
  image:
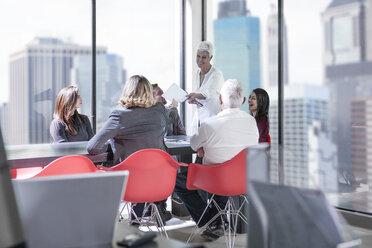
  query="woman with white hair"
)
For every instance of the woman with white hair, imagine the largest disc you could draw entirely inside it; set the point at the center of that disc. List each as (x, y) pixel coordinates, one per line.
(208, 83)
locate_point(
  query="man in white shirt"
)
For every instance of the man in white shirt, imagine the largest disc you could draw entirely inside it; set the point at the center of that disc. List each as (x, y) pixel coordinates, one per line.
(219, 139)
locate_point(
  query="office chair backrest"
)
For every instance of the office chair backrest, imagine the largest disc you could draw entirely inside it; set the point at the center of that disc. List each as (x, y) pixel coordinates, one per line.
(73, 164)
(152, 175)
(227, 179)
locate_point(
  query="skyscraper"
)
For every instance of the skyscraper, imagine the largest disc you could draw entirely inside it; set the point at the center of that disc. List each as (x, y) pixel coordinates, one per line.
(272, 47)
(110, 81)
(310, 158)
(348, 66)
(237, 44)
(37, 73)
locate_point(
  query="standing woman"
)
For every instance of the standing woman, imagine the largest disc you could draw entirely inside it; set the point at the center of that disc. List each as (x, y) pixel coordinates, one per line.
(208, 83)
(259, 103)
(68, 125)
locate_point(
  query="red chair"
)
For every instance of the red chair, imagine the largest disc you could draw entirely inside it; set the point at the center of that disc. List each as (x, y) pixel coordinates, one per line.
(72, 164)
(152, 177)
(226, 179)
(24, 173)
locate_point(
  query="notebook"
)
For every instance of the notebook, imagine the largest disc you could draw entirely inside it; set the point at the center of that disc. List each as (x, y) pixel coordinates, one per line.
(71, 210)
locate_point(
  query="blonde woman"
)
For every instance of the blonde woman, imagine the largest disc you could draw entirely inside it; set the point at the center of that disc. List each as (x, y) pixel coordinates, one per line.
(68, 125)
(137, 125)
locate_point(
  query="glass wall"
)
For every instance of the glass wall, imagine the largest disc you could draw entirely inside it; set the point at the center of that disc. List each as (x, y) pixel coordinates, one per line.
(245, 36)
(137, 37)
(40, 40)
(327, 99)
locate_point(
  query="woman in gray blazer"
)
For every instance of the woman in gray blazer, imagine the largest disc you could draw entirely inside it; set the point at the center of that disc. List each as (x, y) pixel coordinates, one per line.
(139, 124)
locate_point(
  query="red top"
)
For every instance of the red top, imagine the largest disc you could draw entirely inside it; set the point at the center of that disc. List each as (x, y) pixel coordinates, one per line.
(263, 129)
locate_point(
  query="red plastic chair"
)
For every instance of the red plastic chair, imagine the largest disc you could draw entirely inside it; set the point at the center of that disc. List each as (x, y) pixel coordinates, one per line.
(24, 173)
(72, 164)
(152, 177)
(226, 179)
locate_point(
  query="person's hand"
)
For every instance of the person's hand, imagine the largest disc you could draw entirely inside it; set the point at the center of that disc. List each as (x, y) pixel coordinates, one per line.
(174, 104)
(191, 97)
(200, 152)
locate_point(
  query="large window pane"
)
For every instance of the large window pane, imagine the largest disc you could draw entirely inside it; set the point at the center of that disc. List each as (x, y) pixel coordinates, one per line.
(40, 40)
(328, 98)
(245, 35)
(138, 37)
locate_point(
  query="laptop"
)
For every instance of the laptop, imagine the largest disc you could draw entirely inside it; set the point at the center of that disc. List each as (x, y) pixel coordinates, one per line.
(71, 210)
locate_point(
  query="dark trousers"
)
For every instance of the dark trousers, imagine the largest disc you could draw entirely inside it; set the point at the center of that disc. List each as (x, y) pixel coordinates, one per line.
(194, 202)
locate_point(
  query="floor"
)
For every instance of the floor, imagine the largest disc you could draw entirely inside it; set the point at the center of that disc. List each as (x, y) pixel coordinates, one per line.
(180, 228)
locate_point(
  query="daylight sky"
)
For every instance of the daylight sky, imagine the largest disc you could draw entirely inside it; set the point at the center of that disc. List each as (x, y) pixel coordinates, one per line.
(143, 32)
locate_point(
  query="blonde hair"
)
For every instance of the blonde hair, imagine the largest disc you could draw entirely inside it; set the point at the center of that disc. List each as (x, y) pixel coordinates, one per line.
(137, 92)
(66, 108)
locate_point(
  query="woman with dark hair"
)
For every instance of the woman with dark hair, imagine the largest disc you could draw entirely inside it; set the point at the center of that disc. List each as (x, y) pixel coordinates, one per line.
(259, 103)
(68, 125)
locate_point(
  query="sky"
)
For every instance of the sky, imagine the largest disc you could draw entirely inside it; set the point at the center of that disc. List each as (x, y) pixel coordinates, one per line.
(148, 39)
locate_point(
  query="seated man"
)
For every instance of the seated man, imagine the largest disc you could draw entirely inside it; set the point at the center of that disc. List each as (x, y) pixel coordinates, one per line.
(174, 126)
(219, 139)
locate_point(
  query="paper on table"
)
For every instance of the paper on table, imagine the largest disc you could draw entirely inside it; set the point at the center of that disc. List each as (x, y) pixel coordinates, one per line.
(176, 93)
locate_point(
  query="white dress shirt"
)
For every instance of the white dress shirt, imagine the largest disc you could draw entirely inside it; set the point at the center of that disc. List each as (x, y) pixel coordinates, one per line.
(223, 136)
(210, 89)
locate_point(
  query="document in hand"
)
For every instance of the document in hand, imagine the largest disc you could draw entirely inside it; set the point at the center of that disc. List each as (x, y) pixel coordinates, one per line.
(176, 93)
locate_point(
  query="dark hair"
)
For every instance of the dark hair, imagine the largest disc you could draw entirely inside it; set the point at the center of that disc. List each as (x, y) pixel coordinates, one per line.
(263, 103)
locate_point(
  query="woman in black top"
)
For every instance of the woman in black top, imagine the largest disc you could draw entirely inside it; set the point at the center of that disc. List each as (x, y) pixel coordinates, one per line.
(68, 125)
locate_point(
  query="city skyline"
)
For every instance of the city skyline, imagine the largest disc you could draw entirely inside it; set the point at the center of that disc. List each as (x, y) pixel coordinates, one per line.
(81, 33)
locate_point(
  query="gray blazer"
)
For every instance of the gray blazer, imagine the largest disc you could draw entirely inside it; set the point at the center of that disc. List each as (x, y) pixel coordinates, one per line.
(60, 134)
(130, 130)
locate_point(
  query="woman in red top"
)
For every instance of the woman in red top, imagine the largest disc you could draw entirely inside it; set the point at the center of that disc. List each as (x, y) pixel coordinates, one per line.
(259, 104)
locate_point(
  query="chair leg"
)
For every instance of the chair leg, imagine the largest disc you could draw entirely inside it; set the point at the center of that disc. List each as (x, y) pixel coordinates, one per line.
(232, 213)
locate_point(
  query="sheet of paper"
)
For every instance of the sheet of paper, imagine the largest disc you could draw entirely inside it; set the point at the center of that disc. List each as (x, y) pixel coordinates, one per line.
(176, 93)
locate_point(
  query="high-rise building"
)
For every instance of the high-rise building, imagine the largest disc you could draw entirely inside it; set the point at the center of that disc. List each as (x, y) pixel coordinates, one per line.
(37, 73)
(361, 143)
(272, 47)
(347, 66)
(237, 44)
(110, 81)
(310, 158)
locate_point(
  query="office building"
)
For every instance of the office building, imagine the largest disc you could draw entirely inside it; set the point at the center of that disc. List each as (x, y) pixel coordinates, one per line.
(110, 80)
(272, 49)
(37, 73)
(237, 44)
(347, 63)
(361, 144)
(308, 151)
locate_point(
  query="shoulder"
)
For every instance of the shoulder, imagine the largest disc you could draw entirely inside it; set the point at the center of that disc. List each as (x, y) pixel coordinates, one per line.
(216, 72)
(56, 123)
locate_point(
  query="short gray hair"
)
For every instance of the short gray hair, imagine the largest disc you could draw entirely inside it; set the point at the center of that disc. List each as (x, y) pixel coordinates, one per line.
(232, 93)
(206, 46)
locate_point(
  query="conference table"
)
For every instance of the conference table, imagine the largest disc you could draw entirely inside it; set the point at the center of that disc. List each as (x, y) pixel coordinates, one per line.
(31, 155)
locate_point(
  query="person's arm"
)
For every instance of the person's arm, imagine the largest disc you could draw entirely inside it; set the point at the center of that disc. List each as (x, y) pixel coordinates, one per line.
(179, 129)
(58, 131)
(199, 140)
(263, 129)
(97, 144)
(88, 127)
